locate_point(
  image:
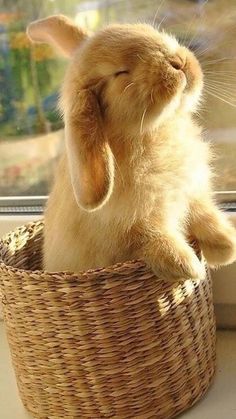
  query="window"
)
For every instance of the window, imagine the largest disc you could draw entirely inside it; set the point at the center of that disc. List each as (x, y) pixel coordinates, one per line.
(31, 130)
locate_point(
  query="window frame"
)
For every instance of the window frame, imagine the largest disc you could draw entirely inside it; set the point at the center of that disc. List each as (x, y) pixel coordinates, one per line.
(24, 205)
(29, 205)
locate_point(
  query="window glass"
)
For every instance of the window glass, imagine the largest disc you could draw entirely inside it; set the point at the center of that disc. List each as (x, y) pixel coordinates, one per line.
(31, 130)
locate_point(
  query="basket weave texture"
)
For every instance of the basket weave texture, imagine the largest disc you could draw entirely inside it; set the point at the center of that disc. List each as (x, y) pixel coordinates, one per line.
(112, 343)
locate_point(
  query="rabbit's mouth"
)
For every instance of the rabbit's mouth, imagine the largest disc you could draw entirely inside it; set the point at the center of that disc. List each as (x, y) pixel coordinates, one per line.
(170, 83)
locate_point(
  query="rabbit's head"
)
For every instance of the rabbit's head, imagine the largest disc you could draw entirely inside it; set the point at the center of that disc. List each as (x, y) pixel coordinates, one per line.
(139, 75)
(124, 79)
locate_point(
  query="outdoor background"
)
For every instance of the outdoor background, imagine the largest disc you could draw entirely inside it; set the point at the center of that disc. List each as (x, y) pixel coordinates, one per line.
(31, 131)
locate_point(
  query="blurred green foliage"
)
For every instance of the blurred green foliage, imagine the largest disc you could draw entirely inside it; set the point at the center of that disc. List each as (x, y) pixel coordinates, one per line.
(30, 76)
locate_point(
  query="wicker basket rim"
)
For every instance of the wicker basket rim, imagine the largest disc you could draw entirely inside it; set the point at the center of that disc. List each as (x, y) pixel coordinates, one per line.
(132, 265)
(129, 265)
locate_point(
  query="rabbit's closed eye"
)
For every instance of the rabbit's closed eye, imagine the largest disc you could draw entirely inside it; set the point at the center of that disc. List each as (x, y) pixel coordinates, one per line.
(121, 72)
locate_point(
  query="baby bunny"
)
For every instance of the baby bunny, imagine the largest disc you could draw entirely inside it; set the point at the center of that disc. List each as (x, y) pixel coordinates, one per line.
(135, 179)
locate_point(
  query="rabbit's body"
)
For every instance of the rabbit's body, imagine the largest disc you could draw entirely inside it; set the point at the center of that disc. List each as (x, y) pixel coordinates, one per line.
(135, 179)
(152, 187)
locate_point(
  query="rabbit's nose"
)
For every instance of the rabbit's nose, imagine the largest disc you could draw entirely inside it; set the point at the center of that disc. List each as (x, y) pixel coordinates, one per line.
(177, 62)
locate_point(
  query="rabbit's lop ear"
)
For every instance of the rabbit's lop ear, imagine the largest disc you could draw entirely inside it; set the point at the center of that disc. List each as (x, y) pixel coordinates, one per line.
(58, 31)
(91, 163)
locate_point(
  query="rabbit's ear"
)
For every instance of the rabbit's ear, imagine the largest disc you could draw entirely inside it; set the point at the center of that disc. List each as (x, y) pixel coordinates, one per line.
(58, 31)
(91, 163)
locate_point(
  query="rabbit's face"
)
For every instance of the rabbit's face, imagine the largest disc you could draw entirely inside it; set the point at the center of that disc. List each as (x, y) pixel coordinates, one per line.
(138, 74)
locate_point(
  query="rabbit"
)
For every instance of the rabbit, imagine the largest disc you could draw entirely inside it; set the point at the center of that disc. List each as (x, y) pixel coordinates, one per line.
(135, 178)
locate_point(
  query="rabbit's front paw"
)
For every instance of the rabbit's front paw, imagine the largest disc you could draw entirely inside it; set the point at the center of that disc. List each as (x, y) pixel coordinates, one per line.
(180, 266)
(221, 248)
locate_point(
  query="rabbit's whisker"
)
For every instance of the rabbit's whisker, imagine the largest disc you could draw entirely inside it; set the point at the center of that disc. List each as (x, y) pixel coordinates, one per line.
(223, 90)
(228, 97)
(199, 52)
(224, 78)
(228, 83)
(157, 11)
(151, 94)
(221, 17)
(142, 121)
(119, 170)
(220, 98)
(223, 81)
(195, 18)
(127, 87)
(204, 47)
(225, 84)
(161, 22)
(224, 60)
(141, 58)
(220, 72)
(231, 99)
(187, 33)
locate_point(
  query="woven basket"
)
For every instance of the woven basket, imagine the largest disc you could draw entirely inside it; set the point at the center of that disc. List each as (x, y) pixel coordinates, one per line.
(112, 343)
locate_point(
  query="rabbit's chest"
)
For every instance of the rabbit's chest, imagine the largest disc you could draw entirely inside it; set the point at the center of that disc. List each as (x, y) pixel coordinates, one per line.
(180, 170)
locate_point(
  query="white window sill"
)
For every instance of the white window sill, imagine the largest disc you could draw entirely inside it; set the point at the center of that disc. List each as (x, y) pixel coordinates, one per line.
(10, 222)
(218, 403)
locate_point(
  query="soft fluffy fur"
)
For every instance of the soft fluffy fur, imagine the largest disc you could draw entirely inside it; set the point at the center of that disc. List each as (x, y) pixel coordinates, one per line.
(134, 181)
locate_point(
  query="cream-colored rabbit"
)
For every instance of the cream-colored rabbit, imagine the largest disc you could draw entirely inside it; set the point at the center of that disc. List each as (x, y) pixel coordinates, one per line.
(134, 181)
